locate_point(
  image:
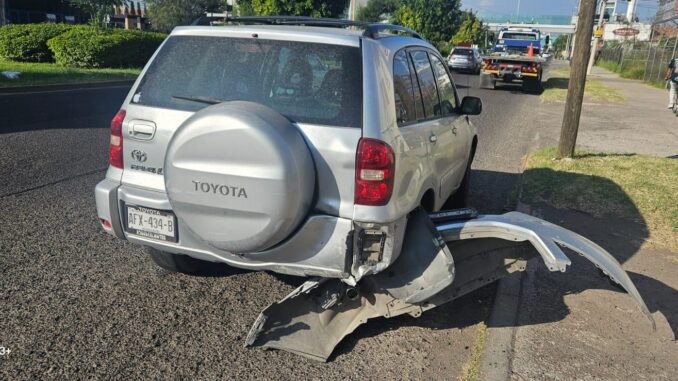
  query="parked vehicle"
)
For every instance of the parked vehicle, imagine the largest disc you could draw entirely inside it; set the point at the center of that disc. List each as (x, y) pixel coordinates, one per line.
(515, 57)
(464, 59)
(310, 150)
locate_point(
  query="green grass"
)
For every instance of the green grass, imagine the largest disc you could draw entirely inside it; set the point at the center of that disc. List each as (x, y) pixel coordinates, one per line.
(629, 72)
(635, 187)
(471, 369)
(555, 89)
(49, 74)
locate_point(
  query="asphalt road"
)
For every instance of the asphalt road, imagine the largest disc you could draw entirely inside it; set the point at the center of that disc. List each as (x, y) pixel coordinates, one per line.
(75, 302)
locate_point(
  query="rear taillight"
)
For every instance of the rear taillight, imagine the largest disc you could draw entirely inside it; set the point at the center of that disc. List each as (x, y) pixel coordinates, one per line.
(115, 148)
(375, 168)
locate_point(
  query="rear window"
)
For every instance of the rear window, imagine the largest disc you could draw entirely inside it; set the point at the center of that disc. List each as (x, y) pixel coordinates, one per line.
(519, 36)
(461, 52)
(306, 82)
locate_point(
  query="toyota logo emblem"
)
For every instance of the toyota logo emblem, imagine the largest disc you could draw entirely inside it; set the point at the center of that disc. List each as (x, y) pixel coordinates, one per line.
(139, 156)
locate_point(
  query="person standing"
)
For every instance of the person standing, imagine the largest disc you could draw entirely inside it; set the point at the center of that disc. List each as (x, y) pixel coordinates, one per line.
(672, 77)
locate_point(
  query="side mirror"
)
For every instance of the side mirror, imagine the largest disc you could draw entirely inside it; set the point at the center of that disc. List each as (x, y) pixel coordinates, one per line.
(471, 106)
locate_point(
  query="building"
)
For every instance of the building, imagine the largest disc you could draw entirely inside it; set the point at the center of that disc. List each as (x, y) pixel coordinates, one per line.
(132, 15)
(36, 11)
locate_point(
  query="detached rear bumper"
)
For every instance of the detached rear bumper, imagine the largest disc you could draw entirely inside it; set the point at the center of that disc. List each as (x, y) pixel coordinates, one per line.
(440, 261)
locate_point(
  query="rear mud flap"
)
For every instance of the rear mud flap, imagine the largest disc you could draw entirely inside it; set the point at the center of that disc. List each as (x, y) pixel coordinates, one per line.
(439, 262)
(487, 81)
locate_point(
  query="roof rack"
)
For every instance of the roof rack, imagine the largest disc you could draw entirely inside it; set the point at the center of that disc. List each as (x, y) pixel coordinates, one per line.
(372, 30)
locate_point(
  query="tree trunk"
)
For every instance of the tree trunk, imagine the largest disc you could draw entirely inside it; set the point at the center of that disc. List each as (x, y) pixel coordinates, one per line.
(3, 21)
(577, 84)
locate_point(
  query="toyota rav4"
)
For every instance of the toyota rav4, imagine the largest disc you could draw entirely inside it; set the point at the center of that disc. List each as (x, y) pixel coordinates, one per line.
(295, 149)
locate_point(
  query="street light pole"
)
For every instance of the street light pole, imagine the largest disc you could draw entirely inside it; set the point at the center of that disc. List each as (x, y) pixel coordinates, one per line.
(596, 39)
(518, 10)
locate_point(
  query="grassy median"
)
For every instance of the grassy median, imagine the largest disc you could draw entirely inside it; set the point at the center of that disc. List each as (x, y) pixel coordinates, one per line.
(634, 187)
(50, 74)
(555, 89)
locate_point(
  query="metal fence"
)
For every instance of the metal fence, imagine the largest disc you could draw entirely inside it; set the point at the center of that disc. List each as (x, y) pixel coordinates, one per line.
(642, 60)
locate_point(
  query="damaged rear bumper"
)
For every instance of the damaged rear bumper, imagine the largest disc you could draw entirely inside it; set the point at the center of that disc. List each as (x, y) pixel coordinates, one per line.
(440, 260)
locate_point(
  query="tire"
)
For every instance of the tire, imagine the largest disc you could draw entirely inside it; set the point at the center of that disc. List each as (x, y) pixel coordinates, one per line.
(460, 198)
(184, 264)
(532, 85)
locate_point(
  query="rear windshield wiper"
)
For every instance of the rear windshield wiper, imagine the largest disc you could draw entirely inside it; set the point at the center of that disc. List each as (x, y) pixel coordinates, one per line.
(201, 99)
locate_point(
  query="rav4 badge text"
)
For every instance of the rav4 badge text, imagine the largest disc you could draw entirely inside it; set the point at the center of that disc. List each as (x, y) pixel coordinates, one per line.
(224, 190)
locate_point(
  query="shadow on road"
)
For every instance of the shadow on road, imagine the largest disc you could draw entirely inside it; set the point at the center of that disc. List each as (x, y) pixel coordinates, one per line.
(557, 83)
(63, 109)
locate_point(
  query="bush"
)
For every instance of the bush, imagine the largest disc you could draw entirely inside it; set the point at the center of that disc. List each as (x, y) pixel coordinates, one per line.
(88, 47)
(28, 42)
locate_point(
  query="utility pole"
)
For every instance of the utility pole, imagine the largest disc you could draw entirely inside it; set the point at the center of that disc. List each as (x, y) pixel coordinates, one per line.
(575, 89)
(596, 39)
(631, 11)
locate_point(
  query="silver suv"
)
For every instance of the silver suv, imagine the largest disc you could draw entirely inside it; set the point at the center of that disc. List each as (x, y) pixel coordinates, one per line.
(299, 149)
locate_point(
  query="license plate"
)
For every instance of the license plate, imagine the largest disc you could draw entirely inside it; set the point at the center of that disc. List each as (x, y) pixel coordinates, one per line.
(151, 223)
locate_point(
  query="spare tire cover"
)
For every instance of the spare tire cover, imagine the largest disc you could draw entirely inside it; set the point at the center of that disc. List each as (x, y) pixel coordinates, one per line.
(240, 176)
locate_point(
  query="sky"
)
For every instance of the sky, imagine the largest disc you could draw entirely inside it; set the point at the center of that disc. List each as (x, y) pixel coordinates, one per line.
(646, 8)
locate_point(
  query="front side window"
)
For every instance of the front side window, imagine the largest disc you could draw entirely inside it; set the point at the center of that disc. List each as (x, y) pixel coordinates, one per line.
(427, 83)
(445, 88)
(306, 82)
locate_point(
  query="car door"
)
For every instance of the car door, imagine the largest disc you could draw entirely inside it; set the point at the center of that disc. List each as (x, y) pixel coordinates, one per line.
(413, 163)
(453, 131)
(440, 134)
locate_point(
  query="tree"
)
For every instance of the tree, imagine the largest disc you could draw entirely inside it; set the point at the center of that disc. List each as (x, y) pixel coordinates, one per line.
(377, 10)
(560, 44)
(166, 14)
(97, 9)
(471, 31)
(313, 8)
(436, 20)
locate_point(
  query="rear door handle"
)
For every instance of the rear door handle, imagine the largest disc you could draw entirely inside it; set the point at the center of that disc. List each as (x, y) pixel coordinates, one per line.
(433, 138)
(141, 129)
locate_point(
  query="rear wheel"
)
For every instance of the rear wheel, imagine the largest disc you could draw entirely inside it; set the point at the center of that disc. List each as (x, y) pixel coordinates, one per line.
(184, 264)
(532, 85)
(460, 198)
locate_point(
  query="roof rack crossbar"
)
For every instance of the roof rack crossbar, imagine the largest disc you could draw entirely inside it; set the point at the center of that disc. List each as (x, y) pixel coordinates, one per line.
(372, 30)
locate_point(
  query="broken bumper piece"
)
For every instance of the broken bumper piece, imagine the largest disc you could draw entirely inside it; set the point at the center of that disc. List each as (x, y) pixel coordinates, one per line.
(439, 262)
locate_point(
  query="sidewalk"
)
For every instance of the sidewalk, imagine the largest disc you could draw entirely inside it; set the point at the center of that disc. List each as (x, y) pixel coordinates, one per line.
(641, 124)
(577, 325)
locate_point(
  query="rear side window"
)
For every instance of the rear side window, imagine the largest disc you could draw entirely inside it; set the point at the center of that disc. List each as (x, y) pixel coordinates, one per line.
(306, 82)
(445, 88)
(427, 83)
(404, 87)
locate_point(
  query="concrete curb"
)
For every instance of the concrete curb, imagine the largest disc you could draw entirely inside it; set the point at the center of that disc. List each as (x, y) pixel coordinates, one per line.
(495, 364)
(73, 86)
(498, 353)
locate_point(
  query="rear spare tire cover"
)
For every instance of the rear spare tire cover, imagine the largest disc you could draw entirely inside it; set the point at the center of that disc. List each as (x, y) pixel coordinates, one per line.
(239, 176)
